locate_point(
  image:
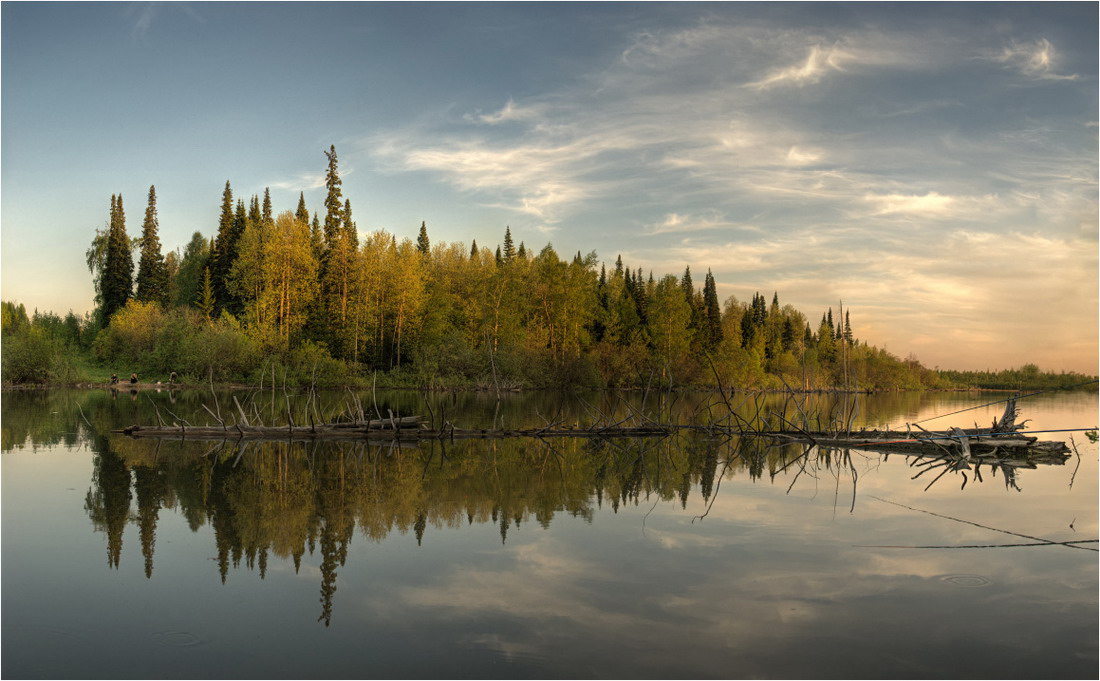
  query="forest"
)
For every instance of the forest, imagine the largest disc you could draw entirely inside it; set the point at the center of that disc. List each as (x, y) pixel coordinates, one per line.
(300, 298)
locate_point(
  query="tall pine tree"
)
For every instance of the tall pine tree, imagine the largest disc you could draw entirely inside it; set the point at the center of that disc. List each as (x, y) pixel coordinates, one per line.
(152, 278)
(712, 311)
(225, 250)
(334, 218)
(423, 245)
(302, 214)
(116, 282)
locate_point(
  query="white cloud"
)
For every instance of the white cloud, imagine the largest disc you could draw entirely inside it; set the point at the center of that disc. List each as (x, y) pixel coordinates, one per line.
(817, 63)
(676, 222)
(1038, 59)
(304, 181)
(509, 112)
(931, 204)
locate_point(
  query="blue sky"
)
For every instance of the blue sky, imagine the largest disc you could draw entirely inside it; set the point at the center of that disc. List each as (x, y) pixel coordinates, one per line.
(934, 166)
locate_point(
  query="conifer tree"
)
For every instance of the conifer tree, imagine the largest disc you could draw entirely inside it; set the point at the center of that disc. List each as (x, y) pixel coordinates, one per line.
(254, 214)
(521, 253)
(265, 215)
(225, 249)
(500, 260)
(152, 278)
(473, 250)
(302, 213)
(350, 230)
(116, 283)
(509, 248)
(205, 300)
(316, 238)
(422, 244)
(333, 206)
(687, 286)
(196, 258)
(713, 312)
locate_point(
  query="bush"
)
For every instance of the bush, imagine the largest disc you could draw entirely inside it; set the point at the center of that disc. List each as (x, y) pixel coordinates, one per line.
(31, 356)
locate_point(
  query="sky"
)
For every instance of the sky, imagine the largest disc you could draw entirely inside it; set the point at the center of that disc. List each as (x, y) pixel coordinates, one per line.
(931, 165)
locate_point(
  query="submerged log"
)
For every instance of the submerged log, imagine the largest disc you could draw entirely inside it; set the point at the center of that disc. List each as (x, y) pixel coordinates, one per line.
(373, 431)
(960, 442)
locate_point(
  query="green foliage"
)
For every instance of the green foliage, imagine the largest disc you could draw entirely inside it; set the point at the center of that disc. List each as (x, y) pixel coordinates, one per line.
(1027, 377)
(224, 251)
(44, 349)
(152, 277)
(14, 318)
(116, 276)
(32, 356)
(423, 245)
(333, 205)
(320, 305)
(152, 341)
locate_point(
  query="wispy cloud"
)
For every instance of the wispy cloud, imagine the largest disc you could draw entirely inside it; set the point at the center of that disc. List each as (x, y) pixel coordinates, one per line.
(144, 14)
(677, 223)
(302, 182)
(699, 127)
(817, 63)
(509, 112)
(1036, 59)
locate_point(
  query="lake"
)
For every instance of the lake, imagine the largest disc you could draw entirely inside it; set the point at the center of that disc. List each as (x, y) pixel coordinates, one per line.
(676, 557)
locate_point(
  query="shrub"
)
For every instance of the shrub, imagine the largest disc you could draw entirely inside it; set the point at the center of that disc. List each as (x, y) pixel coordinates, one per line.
(31, 356)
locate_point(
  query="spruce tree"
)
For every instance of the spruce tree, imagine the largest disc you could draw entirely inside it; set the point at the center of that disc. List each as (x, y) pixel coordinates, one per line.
(152, 278)
(422, 244)
(473, 250)
(713, 311)
(521, 253)
(116, 284)
(350, 230)
(224, 249)
(266, 216)
(499, 259)
(509, 248)
(205, 300)
(316, 238)
(687, 285)
(255, 216)
(302, 213)
(333, 205)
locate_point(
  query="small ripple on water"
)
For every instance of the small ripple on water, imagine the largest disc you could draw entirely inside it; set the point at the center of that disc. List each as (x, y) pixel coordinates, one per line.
(965, 580)
(177, 639)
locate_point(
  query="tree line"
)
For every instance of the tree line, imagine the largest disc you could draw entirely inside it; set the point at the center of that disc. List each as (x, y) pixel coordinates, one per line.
(302, 290)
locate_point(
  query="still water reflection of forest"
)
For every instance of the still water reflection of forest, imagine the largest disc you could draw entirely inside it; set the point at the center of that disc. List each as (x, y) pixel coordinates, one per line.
(683, 556)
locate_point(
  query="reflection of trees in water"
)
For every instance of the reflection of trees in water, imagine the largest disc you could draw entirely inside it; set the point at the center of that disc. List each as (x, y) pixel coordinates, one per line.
(108, 499)
(264, 499)
(285, 499)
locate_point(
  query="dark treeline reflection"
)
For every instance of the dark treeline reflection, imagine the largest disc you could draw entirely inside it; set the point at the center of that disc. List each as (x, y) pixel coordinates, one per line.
(290, 500)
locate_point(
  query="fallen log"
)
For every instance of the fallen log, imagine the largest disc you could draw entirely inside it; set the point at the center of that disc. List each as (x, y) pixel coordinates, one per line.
(372, 432)
(964, 443)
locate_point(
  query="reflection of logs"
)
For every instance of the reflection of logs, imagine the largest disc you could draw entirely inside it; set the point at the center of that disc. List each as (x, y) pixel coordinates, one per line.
(958, 442)
(410, 428)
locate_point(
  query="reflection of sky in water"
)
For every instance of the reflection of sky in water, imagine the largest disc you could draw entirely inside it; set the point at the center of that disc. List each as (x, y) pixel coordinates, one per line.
(770, 583)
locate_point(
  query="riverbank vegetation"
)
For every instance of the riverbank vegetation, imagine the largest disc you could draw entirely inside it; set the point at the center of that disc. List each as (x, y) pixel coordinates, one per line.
(300, 298)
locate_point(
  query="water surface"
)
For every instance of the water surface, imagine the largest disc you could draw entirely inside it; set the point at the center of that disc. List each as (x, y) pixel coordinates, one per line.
(655, 558)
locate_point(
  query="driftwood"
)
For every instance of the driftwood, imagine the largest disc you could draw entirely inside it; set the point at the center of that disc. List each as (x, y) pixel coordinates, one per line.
(956, 442)
(1001, 441)
(408, 428)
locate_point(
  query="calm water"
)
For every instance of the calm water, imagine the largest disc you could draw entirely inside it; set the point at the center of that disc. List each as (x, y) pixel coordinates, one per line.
(653, 558)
